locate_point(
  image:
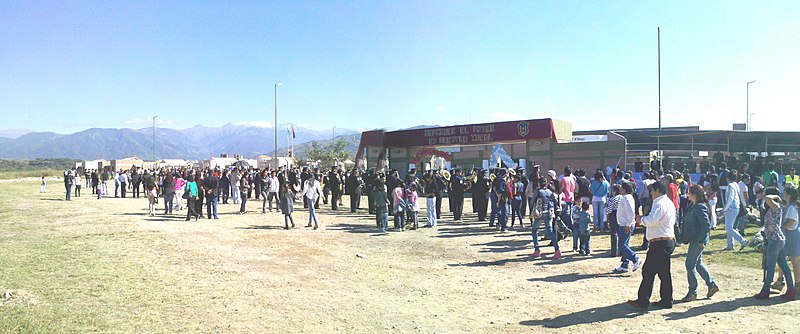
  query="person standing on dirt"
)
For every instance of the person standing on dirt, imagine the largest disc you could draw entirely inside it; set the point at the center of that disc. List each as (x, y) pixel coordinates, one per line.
(287, 205)
(95, 181)
(136, 179)
(151, 190)
(191, 194)
(381, 204)
(68, 181)
(244, 187)
(626, 222)
(335, 184)
(211, 188)
(696, 227)
(660, 224)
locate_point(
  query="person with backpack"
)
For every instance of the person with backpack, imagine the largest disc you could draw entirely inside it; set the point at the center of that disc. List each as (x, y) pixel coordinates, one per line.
(543, 204)
(697, 224)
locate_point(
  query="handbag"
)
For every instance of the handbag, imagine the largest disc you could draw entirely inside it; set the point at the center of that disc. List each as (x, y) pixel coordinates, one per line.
(187, 193)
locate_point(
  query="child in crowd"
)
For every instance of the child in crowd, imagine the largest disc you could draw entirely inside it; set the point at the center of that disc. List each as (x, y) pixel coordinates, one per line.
(585, 220)
(399, 206)
(99, 192)
(412, 206)
(287, 205)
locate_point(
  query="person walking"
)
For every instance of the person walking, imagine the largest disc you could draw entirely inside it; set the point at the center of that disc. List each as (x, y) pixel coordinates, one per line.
(151, 191)
(312, 190)
(660, 224)
(168, 187)
(244, 187)
(123, 183)
(211, 188)
(225, 186)
(77, 183)
(696, 227)
(774, 252)
(543, 203)
(287, 205)
(69, 179)
(191, 194)
(234, 178)
(626, 221)
(600, 190)
(180, 185)
(732, 207)
(792, 233)
(43, 186)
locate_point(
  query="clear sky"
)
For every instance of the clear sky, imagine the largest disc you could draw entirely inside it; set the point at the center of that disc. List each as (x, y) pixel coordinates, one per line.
(66, 66)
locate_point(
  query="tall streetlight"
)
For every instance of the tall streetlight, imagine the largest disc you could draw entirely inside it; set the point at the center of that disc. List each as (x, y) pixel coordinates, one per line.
(154, 142)
(747, 108)
(275, 126)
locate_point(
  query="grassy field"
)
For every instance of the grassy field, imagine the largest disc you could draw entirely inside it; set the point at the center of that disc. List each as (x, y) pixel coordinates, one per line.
(104, 266)
(37, 173)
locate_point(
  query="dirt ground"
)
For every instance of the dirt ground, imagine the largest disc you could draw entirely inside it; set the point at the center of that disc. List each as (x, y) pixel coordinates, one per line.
(244, 273)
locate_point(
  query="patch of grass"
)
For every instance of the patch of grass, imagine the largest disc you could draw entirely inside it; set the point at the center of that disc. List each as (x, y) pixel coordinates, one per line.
(19, 174)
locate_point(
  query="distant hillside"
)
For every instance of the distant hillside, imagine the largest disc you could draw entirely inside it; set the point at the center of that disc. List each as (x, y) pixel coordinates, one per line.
(194, 143)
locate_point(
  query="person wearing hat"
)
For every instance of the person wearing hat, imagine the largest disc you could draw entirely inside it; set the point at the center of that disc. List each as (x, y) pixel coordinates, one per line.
(456, 194)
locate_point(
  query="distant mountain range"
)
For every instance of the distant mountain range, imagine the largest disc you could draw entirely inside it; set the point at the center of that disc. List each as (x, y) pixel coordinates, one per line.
(198, 142)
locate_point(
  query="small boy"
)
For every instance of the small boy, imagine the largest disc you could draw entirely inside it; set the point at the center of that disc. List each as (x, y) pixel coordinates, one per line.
(585, 220)
(99, 192)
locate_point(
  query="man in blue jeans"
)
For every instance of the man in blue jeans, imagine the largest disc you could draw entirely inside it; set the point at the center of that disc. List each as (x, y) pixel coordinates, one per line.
(626, 219)
(211, 185)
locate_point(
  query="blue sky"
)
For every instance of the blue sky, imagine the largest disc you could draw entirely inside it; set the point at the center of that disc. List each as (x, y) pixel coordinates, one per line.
(66, 66)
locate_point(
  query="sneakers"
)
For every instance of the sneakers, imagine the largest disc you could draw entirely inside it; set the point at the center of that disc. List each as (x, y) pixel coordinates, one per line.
(791, 294)
(536, 254)
(557, 255)
(620, 269)
(712, 291)
(744, 244)
(637, 264)
(690, 297)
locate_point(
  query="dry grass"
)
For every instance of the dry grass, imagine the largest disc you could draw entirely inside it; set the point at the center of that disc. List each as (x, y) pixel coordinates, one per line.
(104, 266)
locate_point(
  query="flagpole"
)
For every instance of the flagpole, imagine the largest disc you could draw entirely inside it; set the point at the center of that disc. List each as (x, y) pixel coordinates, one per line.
(658, 149)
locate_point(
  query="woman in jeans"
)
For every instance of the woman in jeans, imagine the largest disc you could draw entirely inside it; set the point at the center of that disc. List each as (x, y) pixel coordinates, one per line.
(792, 233)
(774, 252)
(600, 190)
(696, 226)
(191, 187)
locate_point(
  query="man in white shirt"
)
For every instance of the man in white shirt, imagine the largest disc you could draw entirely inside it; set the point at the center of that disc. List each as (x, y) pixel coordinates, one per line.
(626, 219)
(311, 191)
(660, 233)
(272, 193)
(731, 210)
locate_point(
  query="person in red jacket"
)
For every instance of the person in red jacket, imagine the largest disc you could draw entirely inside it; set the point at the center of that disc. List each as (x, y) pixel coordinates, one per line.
(672, 190)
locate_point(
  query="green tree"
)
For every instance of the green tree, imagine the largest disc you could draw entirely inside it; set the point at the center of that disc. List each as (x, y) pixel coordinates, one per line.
(327, 153)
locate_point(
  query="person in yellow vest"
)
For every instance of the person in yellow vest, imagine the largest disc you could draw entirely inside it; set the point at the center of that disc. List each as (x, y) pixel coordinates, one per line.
(792, 179)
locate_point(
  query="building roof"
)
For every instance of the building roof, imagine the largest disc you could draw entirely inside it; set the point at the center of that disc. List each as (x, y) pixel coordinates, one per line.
(685, 139)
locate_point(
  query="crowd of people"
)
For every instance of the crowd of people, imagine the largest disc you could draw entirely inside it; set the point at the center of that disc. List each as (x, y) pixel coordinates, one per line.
(665, 203)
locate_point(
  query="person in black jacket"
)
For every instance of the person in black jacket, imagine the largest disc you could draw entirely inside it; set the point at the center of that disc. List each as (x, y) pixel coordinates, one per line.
(480, 194)
(211, 186)
(456, 194)
(354, 188)
(335, 184)
(441, 185)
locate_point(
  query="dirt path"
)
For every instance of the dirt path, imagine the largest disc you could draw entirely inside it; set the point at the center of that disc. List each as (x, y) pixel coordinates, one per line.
(459, 277)
(245, 274)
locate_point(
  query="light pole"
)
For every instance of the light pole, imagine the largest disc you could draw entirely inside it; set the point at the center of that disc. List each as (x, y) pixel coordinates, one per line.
(747, 107)
(154, 142)
(334, 133)
(750, 121)
(275, 126)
